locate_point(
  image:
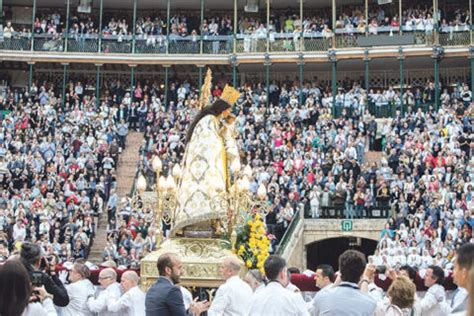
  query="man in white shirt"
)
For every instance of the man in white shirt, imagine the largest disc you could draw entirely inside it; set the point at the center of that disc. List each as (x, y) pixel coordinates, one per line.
(111, 291)
(233, 296)
(275, 299)
(434, 299)
(463, 263)
(324, 278)
(78, 290)
(132, 302)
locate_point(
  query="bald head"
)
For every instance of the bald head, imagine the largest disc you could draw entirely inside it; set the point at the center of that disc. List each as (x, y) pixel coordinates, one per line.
(233, 263)
(230, 267)
(129, 280)
(107, 277)
(132, 276)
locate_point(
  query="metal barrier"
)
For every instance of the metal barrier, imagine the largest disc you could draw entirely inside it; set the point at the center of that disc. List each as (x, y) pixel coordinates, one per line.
(248, 44)
(317, 44)
(120, 46)
(280, 248)
(218, 46)
(222, 44)
(338, 211)
(19, 43)
(83, 44)
(48, 43)
(452, 38)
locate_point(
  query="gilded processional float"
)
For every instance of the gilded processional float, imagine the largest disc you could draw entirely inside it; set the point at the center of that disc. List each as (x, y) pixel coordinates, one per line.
(205, 197)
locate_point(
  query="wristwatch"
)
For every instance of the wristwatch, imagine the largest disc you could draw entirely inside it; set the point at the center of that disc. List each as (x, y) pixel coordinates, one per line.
(46, 297)
(364, 280)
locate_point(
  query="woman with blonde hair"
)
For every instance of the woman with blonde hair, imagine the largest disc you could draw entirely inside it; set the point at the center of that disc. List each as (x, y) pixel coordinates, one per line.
(401, 296)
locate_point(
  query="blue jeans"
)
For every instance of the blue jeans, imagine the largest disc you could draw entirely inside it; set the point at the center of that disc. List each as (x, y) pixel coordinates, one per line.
(359, 210)
(349, 210)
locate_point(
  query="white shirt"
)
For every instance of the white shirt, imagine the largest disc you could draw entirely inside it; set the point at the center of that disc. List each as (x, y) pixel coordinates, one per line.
(187, 297)
(431, 304)
(232, 298)
(276, 300)
(132, 303)
(45, 309)
(99, 304)
(458, 304)
(78, 293)
(316, 297)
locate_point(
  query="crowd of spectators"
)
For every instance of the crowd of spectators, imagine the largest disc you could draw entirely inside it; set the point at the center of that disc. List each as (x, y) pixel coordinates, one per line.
(57, 175)
(428, 169)
(308, 159)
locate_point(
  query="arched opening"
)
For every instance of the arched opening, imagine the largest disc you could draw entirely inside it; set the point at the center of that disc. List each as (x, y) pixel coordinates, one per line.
(328, 250)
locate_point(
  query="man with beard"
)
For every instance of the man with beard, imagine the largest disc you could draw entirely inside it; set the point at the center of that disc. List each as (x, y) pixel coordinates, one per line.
(164, 297)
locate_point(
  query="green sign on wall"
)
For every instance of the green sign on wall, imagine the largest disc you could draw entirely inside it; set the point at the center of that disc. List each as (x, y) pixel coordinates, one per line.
(346, 225)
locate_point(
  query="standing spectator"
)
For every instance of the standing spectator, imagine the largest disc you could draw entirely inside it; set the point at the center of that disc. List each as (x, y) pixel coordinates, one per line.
(16, 294)
(347, 295)
(132, 302)
(34, 262)
(233, 296)
(463, 264)
(164, 297)
(79, 290)
(435, 297)
(275, 299)
(111, 291)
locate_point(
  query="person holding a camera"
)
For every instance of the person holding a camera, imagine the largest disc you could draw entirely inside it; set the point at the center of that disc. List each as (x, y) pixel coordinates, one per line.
(42, 274)
(18, 296)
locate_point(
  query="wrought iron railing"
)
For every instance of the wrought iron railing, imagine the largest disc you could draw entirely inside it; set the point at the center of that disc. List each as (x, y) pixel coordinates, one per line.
(338, 211)
(224, 44)
(454, 38)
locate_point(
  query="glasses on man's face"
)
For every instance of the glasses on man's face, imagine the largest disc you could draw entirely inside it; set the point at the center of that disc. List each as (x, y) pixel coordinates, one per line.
(103, 278)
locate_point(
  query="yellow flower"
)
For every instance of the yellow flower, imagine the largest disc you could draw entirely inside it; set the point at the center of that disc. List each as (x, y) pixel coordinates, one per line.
(242, 247)
(249, 263)
(249, 223)
(257, 217)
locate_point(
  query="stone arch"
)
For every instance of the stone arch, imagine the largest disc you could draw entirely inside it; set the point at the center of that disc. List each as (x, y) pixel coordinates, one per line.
(323, 235)
(328, 250)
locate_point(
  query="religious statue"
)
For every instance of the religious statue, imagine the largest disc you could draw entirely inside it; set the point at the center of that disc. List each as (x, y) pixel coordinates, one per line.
(210, 148)
(201, 213)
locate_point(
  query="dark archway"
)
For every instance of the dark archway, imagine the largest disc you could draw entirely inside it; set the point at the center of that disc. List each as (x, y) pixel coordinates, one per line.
(328, 250)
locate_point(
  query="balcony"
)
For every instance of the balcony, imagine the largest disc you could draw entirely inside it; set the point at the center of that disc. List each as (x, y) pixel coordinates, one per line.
(219, 48)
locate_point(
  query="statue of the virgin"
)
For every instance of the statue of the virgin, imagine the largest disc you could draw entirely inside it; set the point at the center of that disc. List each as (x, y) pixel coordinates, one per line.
(205, 169)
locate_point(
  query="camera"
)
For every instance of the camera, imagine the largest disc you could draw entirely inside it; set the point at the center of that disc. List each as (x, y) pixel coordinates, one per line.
(37, 278)
(44, 264)
(381, 269)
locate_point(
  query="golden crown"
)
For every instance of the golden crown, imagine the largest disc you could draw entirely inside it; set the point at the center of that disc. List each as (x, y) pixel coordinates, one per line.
(230, 95)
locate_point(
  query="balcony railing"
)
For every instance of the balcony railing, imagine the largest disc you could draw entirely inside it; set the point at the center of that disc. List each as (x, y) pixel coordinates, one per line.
(244, 43)
(382, 109)
(339, 211)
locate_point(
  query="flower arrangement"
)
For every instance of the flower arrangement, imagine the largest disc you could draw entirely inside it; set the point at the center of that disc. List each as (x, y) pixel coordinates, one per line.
(252, 244)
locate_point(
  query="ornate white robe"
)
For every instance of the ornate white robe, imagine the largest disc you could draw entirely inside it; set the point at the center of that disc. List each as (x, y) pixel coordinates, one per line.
(204, 176)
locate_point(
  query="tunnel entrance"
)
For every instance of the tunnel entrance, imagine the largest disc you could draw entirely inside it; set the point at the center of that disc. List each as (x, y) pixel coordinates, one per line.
(327, 251)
